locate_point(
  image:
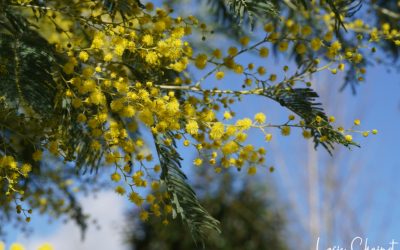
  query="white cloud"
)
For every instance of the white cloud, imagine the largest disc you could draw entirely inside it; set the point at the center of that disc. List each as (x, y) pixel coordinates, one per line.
(109, 211)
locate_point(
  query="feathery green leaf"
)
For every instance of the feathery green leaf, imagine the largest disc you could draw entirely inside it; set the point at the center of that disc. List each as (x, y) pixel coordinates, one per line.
(251, 10)
(26, 61)
(183, 198)
(302, 101)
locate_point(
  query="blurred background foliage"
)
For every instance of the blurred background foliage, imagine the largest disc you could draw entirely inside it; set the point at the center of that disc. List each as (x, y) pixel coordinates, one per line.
(249, 217)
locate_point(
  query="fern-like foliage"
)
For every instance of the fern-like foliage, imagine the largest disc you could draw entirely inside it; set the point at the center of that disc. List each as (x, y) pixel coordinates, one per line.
(253, 11)
(27, 86)
(341, 8)
(302, 101)
(220, 12)
(85, 158)
(123, 7)
(25, 78)
(346, 8)
(24, 133)
(182, 196)
(250, 10)
(29, 105)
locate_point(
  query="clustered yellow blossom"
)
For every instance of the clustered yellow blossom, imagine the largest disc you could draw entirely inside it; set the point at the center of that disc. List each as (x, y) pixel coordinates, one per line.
(122, 76)
(19, 246)
(12, 172)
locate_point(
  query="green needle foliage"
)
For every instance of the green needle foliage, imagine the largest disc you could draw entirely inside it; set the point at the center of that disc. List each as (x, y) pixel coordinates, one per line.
(302, 102)
(251, 10)
(183, 198)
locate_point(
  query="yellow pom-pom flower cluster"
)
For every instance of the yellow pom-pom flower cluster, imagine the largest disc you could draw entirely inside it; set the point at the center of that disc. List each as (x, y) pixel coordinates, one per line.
(19, 246)
(123, 77)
